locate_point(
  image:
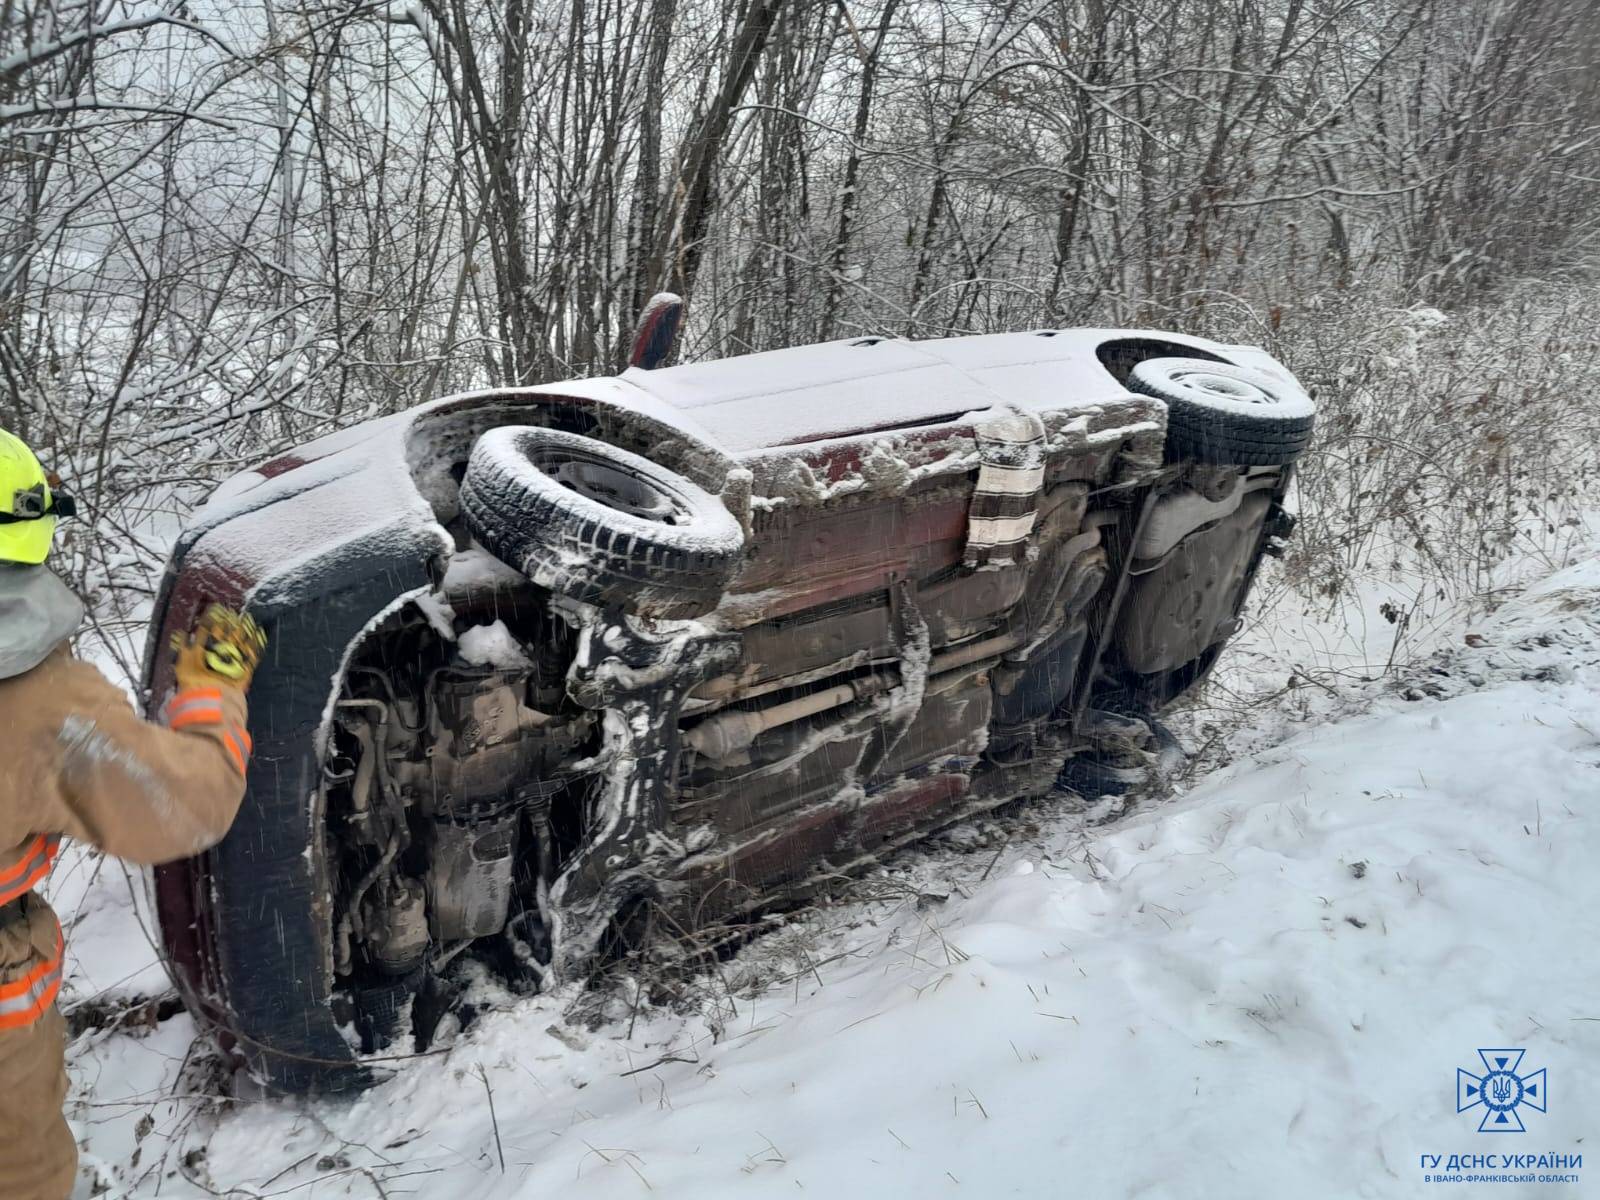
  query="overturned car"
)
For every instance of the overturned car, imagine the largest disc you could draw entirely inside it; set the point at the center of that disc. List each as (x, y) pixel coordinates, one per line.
(549, 665)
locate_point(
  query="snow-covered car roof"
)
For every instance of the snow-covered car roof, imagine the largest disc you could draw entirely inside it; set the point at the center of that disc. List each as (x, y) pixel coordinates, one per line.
(808, 393)
(383, 484)
(790, 397)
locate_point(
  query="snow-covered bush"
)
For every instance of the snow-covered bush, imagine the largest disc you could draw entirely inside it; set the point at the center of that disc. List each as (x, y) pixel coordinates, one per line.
(1447, 444)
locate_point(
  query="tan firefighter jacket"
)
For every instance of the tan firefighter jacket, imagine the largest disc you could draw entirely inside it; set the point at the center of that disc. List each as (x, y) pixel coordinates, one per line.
(79, 762)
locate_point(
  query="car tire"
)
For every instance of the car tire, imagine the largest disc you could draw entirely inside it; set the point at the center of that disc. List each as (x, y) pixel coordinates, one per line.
(599, 524)
(1221, 414)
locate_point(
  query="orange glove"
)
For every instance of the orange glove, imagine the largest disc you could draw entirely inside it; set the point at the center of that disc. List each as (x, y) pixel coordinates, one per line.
(224, 647)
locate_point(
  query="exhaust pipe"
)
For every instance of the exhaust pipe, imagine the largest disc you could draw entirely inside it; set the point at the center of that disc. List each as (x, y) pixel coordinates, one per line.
(727, 733)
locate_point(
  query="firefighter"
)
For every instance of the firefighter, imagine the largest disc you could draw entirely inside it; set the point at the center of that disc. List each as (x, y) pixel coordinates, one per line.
(78, 762)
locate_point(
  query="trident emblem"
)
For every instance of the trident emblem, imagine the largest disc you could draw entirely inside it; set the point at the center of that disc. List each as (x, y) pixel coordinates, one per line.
(1501, 1091)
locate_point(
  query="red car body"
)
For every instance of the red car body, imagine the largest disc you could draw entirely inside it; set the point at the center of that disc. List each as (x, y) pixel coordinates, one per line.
(926, 689)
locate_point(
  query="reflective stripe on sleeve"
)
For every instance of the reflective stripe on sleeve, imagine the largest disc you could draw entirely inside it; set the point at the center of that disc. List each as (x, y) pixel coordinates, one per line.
(194, 706)
(37, 857)
(237, 743)
(194, 716)
(23, 1001)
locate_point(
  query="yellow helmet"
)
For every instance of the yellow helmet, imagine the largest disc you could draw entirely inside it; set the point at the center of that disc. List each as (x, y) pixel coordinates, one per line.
(28, 509)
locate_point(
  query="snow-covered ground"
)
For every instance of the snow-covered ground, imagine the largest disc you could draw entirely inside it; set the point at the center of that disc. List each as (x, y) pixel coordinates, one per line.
(1262, 987)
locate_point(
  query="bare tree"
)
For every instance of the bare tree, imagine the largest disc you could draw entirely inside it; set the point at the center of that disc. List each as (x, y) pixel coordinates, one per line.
(228, 226)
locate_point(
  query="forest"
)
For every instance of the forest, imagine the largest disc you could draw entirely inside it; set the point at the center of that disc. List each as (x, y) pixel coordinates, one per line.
(228, 228)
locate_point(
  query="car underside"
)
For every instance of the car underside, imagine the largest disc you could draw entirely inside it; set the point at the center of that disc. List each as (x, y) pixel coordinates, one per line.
(555, 666)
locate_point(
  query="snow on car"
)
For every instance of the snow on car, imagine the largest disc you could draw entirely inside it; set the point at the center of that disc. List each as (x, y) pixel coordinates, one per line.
(557, 666)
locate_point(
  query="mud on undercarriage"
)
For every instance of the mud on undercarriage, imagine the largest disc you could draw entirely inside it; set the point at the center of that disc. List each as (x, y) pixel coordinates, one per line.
(512, 776)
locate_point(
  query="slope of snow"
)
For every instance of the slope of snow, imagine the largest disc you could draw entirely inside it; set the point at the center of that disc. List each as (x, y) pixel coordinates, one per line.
(1263, 987)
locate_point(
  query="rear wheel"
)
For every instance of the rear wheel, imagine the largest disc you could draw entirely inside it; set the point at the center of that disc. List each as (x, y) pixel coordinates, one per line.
(1222, 414)
(588, 520)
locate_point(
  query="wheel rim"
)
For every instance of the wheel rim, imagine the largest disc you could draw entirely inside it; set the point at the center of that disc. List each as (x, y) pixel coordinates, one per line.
(595, 479)
(1221, 387)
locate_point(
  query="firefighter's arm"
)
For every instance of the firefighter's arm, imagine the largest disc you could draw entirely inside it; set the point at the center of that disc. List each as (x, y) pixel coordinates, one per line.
(152, 792)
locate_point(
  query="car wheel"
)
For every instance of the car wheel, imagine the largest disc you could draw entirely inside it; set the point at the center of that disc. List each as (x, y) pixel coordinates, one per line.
(1221, 414)
(588, 520)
